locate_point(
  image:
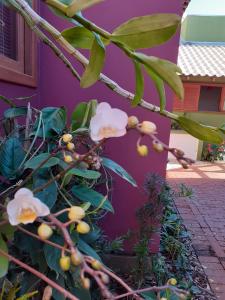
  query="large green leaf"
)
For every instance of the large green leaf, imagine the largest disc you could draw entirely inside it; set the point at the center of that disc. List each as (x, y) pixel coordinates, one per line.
(4, 261)
(8, 231)
(147, 31)
(15, 112)
(52, 254)
(88, 174)
(165, 70)
(79, 5)
(159, 86)
(11, 156)
(96, 63)
(86, 194)
(37, 160)
(139, 91)
(83, 113)
(54, 119)
(222, 128)
(79, 37)
(87, 249)
(200, 131)
(112, 165)
(49, 194)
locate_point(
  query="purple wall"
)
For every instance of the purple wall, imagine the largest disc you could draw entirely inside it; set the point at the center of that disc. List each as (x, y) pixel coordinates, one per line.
(58, 87)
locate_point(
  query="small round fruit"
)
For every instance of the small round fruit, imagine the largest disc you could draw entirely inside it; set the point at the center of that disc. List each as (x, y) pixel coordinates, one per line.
(44, 231)
(158, 147)
(132, 122)
(86, 283)
(147, 127)
(83, 227)
(70, 146)
(96, 265)
(172, 281)
(68, 158)
(64, 263)
(67, 138)
(76, 213)
(142, 150)
(76, 258)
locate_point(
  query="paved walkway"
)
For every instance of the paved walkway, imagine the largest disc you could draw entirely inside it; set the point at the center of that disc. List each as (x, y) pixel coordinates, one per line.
(204, 216)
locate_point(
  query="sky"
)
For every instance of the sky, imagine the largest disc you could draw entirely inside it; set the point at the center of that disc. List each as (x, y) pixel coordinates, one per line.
(206, 7)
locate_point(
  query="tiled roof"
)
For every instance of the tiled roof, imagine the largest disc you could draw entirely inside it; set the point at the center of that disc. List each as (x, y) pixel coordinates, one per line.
(202, 59)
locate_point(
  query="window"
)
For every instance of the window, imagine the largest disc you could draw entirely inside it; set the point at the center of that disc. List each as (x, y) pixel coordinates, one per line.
(210, 98)
(17, 49)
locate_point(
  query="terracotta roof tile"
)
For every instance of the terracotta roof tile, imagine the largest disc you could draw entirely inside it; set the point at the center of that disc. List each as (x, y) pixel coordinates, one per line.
(202, 59)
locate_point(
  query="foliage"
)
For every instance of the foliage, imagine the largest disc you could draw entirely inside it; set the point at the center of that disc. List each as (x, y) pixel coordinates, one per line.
(213, 152)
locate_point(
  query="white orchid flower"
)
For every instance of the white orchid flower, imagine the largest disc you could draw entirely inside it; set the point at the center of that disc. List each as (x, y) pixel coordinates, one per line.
(108, 122)
(25, 208)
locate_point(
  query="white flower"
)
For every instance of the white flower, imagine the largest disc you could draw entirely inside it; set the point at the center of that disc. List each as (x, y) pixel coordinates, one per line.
(25, 208)
(108, 122)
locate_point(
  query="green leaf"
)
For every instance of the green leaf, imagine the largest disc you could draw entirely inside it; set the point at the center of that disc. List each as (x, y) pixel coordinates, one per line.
(78, 5)
(88, 174)
(200, 131)
(86, 194)
(147, 31)
(52, 254)
(79, 37)
(87, 249)
(34, 162)
(11, 156)
(54, 120)
(27, 296)
(81, 293)
(49, 194)
(222, 129)
(159, 86)
(139, 84)
(96, 63)
(15, 112)
(112, 165)
(8, 231)
(83, 113)
(149, 295)
(7, 101)
(4, 261)
(165, 70)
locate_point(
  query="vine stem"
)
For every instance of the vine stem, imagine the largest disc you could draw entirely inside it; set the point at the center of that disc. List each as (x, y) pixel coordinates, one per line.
(22, 6)
(39, 275)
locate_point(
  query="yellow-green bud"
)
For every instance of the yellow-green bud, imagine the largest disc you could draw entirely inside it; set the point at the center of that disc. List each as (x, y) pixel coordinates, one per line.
(86, 283)
(142, 150)
(132, 122)
(44, 231)
(96, 265)
(68, 158)
(158, 147)
(172, 281)
(70, 146)
(76, 213)
(64, 263)
(147, 127)
(83, 227)
(67, 138)
(76, 258)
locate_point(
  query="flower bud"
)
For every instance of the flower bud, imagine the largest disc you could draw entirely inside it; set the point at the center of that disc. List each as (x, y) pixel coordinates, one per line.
(163, 298)
(64, 263)
(86, 283)
(68, 158)
(132, 122)
(67, 138)
(83, 227)
(142, 150)
(70, 146)
(182, 297)
(172, 281)
(96, 265)
(147, 127)
(76, 258)
(76, 213)
(105, 278)
(158, 147)
(44, 231)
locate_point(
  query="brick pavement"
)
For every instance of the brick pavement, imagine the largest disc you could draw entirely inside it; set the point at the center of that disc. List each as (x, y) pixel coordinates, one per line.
(204, 217)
